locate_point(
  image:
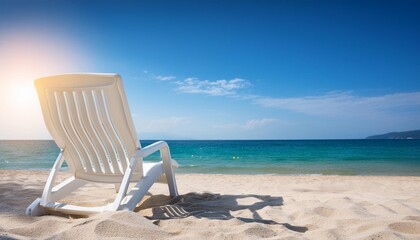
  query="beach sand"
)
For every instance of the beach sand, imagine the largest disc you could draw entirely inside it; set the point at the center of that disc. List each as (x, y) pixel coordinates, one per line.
(227, 207)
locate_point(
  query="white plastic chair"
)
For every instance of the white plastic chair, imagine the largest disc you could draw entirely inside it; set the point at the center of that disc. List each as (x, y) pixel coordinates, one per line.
(89, 119)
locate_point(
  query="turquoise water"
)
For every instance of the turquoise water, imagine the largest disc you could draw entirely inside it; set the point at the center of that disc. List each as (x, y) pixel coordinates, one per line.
(284, 157)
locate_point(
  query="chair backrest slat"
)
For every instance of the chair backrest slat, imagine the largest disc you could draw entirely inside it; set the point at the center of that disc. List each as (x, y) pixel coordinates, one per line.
(53, 107)
(86, 122)
(88, 117)
(75, 115)
(64, 114)
(101, 131)
(118, 144)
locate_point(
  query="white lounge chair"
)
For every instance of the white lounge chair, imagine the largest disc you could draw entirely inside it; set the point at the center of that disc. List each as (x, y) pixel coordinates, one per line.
(89, 119)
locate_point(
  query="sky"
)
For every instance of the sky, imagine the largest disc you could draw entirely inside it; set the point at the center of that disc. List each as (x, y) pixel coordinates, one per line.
(295, 69)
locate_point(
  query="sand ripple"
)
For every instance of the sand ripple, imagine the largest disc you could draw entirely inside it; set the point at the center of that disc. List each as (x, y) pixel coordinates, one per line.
(231, 207)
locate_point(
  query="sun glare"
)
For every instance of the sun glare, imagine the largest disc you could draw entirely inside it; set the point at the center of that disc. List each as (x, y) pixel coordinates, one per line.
(23, 94)
(25, 56)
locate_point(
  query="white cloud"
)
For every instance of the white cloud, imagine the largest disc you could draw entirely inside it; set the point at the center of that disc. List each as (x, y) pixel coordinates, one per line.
(165, 123)
(249, 125)
(165, 78)
(215, 88)
(158, 77)
(252, 124)
(343, 103)
(164, 128)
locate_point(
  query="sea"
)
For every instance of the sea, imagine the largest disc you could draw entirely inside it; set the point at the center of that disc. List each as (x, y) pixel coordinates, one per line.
(273, 157)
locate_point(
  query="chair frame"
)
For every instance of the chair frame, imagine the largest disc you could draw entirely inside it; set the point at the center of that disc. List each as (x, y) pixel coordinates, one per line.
(151, 172)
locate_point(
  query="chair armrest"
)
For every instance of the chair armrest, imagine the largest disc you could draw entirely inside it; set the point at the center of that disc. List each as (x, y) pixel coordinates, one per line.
(146, 151)
(168, 162)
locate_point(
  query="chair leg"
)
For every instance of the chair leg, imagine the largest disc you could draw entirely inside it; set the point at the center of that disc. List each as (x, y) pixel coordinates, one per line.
(35, 209)
(46, 193)
(169, 173)
(170, 178)
(173, 190)
(117, 187)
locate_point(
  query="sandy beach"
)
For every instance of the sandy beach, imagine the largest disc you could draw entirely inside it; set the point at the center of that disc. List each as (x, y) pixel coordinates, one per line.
(227, 207)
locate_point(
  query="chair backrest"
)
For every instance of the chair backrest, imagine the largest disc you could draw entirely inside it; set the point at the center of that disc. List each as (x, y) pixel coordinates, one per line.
(89, 119)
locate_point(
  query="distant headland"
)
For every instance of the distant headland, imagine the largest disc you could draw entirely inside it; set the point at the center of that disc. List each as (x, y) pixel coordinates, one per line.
(415, 134)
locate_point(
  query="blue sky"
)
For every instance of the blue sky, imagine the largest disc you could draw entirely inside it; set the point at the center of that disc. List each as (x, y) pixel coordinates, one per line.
(223, 69)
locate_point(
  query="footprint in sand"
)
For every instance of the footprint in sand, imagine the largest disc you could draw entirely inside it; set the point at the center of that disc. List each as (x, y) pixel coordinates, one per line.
(413, 218)
(325, 212)
(406, 227)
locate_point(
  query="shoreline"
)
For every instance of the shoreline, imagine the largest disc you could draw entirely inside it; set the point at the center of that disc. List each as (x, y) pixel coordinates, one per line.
(222, 206)
(240, 174)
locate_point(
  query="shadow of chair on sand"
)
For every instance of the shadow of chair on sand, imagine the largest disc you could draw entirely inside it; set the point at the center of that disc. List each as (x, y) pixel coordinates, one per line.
(213, 206)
